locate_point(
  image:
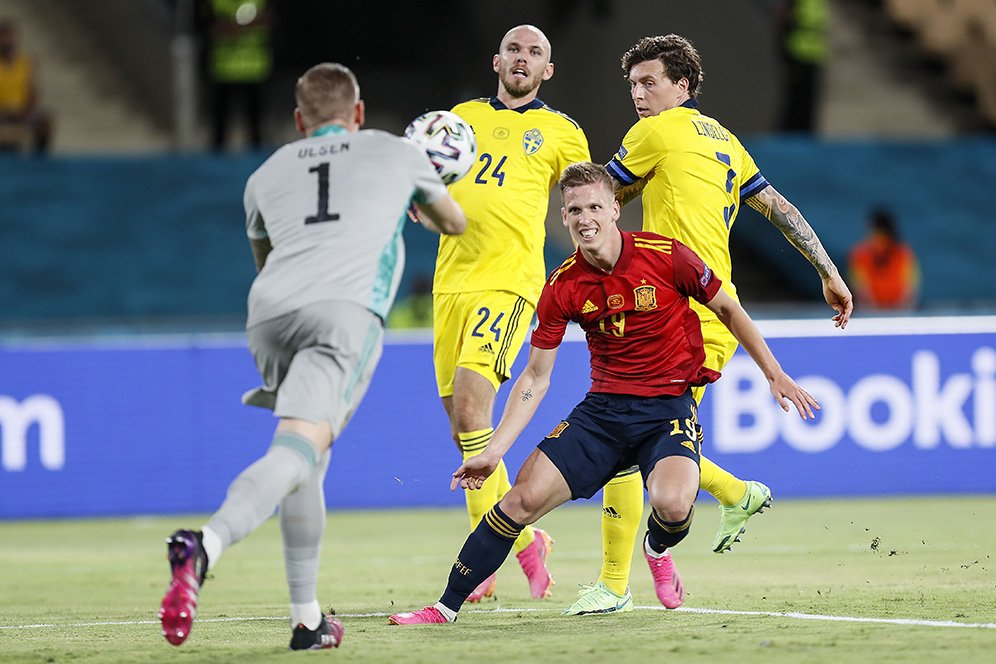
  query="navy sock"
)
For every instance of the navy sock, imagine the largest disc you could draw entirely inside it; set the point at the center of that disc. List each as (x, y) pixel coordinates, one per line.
(482, 554)
(663, 534)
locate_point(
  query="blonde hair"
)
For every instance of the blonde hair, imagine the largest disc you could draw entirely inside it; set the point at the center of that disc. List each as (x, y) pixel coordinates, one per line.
(327, 91)
(582, 173)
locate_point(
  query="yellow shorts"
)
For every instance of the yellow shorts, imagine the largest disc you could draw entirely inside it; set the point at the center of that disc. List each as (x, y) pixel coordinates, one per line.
(481, 331)
(720, 344)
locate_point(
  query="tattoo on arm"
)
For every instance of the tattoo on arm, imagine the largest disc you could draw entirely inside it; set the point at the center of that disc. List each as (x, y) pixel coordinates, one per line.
(787, 218)
(626, 193)
(526, 395)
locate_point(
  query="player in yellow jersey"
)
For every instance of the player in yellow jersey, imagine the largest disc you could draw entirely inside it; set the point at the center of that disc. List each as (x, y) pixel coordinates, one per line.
(694, 176)
(487, 283)
(19, 108)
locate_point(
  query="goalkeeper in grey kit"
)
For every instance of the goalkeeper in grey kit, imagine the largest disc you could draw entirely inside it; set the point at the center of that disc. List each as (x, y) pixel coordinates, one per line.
(324, 216)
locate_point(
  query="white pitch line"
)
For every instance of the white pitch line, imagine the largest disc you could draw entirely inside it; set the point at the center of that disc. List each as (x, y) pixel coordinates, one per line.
(792, 614)
(815, 616)
(914, 622)
(151, 622)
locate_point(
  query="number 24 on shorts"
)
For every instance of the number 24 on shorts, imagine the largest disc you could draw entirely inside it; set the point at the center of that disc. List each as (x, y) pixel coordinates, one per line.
(485, 314)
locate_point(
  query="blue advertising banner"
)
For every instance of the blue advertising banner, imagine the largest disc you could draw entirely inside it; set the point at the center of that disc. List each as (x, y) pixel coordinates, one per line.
(148, 425)
(908, 412)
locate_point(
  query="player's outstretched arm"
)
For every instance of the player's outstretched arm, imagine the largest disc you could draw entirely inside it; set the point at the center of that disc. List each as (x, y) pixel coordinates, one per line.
(787, 218)
(442, 216)
(527, 393)
(743, 328)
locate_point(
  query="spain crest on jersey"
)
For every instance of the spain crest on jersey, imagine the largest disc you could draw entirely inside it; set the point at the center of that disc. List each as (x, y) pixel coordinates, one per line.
(646, 298)
(531, 141)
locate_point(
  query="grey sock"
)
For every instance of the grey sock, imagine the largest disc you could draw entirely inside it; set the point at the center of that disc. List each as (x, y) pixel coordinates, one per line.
(256, 492)
(302, 524)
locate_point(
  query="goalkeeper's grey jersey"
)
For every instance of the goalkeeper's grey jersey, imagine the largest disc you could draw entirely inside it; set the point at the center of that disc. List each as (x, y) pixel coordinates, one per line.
(333, 206)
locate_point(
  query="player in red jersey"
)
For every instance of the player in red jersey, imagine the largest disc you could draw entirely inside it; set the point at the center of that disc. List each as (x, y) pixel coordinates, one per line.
(629, 292)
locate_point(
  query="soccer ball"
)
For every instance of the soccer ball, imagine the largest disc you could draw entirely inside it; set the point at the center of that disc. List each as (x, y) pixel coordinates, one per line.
(448, 140)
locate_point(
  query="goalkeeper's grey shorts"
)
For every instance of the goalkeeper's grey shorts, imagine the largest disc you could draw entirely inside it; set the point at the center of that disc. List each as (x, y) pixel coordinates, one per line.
(316, 362)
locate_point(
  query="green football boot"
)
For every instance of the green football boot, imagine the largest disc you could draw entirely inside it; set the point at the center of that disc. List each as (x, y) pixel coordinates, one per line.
(733, 519)
(599, 599)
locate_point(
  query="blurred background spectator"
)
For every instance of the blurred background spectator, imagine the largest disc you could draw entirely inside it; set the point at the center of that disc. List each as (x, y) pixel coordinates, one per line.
(803, 50)
(884, 269)
(903, 96)
(22, 120)
(239, 63)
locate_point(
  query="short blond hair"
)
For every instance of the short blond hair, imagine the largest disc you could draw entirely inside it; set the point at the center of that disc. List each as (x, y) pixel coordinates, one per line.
(582, 173)
(327, 91)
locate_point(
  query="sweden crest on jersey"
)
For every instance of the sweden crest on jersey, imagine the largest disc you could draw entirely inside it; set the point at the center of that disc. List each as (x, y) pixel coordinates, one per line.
(531, 141)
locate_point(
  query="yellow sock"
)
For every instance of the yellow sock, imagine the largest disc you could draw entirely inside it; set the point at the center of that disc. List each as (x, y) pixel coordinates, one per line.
(481, 500)
(726, 488)
(622, 514)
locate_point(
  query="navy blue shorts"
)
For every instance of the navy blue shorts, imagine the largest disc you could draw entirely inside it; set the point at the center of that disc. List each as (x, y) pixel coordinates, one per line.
(608, 433)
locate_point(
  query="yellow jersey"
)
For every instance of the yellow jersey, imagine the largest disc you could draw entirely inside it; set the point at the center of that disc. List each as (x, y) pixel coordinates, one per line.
(520, 155)
(698, 175)
(15, 84)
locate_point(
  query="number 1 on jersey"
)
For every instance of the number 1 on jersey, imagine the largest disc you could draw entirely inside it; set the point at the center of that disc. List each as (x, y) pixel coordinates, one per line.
(323, 213)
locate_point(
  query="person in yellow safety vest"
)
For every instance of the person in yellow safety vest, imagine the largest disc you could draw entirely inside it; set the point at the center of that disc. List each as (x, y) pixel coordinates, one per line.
(239, 64)
(803, 48)
(19, 111)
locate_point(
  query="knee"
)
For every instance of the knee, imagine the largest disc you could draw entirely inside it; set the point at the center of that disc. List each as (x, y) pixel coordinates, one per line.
(521, 506)
(672, 504)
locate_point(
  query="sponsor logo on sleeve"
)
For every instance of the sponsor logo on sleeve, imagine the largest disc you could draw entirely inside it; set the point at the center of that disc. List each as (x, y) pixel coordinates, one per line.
(706, 277)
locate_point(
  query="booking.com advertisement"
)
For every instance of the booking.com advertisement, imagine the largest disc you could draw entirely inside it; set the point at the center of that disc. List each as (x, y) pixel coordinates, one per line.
(152, 425)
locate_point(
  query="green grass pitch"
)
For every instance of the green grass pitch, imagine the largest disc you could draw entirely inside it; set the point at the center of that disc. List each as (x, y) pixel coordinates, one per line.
(899, 580)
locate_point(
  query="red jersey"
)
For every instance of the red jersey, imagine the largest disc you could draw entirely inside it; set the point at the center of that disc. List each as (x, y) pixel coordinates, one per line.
(643, 337)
